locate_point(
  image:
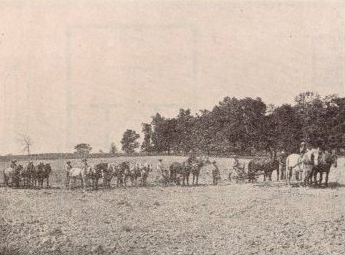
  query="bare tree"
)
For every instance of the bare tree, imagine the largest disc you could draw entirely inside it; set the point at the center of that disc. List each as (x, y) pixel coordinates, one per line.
(26, 142)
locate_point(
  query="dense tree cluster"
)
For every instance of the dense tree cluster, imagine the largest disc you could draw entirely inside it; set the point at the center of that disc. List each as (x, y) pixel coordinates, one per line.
(247, 126)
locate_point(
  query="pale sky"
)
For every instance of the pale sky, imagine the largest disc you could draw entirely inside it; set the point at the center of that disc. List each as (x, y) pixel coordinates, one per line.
(74, 72)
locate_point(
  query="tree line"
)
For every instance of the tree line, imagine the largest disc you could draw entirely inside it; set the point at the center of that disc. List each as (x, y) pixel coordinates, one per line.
(245, 126)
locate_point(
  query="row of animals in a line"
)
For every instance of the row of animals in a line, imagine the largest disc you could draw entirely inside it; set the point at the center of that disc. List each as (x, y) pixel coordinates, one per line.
(304, 167)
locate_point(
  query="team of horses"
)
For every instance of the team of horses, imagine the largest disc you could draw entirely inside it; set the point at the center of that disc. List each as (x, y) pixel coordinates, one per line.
(123, 172)
(303, 168)
(30, 176)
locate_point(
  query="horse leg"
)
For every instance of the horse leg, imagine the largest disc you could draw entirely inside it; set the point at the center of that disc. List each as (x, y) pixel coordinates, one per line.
(320, 179)
(288, 175)
(69, 183)
(326, 180)
(47, 181)
(197, 179)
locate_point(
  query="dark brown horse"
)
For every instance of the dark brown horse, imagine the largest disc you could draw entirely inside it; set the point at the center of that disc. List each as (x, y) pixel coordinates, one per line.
(265, 166)
(97, 173)
(122, 173)
(180, 171)
(27, 174)
(196, 168)
(326, 161)
(41, 172)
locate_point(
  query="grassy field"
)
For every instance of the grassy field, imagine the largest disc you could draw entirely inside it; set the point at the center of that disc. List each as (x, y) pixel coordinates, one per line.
(260, 218)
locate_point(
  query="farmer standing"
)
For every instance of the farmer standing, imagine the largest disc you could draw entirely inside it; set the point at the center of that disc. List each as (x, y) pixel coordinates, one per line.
(68, 168)
(215, 173)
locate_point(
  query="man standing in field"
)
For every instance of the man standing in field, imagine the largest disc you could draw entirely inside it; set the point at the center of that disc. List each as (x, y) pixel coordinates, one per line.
(215, 173)
(282, 165)
(68, 168)
(235, 163)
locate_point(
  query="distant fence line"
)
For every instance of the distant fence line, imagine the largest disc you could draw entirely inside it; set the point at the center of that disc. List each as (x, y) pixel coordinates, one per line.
(66, 156)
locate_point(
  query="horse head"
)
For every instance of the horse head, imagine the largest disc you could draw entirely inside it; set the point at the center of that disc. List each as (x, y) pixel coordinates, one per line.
(19, 168)
(312, 157)
(204, 161)
(334, 160)
(47, 168)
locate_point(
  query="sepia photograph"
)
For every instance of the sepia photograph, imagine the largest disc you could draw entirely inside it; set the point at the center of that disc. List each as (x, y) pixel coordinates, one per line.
(172, 127)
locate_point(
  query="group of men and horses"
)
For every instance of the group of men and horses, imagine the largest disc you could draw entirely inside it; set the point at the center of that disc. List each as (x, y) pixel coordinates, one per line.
(123, 172)
(30, 176)
(179, 173)
(303, 167)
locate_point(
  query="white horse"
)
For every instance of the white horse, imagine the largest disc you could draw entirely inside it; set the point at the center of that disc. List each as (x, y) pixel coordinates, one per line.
(81, 174)
(302, 166)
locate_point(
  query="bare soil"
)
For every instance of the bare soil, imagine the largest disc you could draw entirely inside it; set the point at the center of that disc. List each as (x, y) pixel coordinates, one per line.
(260, 218)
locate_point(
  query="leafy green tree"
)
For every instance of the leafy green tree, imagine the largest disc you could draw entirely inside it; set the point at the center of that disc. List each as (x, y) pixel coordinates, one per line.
(83, 148)
(113, 148)
(147, 143)
(129, 141)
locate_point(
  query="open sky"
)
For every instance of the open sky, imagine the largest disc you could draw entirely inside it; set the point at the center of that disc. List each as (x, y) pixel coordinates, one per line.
(74, 72)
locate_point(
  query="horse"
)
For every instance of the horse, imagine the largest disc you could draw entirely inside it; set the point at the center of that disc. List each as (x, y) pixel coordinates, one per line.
(178, 170)
(145, 173)
(302, 164)
(27, 174)
(44, 171)
(119, 172)
(326, 161)
(82, 174)
(196, 168)
(13, 174)
(266, 166)
(137, 172)
(108, 174)
(97, 173)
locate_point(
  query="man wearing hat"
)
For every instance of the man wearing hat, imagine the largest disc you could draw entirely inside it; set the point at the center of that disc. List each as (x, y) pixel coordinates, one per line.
(303, 148)
(235, 163)
(84, 160)
(215, 173)
(13, 163)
